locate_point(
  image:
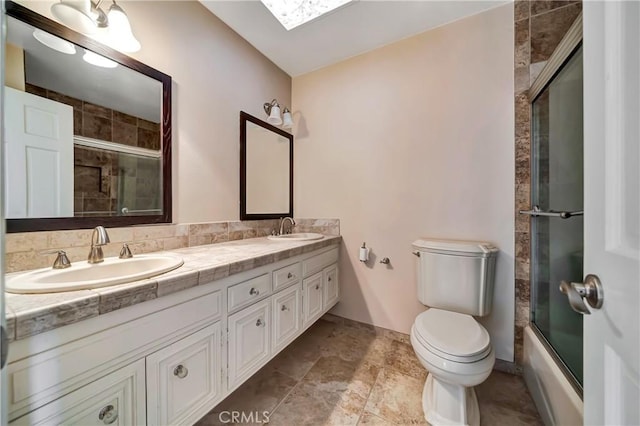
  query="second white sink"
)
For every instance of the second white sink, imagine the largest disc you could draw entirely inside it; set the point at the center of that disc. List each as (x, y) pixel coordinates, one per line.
(82, 275)
(300, 236)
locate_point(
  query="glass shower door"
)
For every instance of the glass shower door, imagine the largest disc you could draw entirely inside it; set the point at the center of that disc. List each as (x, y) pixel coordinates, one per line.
(557, 183)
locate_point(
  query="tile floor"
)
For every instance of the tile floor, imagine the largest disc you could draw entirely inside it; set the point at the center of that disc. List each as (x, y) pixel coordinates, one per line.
(346, 373)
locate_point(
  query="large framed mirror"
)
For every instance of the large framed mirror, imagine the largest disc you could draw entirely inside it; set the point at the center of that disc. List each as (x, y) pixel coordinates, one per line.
(87, 131)
(266, 170)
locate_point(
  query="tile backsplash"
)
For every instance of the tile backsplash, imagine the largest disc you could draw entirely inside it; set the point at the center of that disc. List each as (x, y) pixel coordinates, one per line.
(23, 251)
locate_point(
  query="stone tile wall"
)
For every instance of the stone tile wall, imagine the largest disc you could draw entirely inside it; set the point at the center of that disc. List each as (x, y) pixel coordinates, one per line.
(23, 251)
(539, 27)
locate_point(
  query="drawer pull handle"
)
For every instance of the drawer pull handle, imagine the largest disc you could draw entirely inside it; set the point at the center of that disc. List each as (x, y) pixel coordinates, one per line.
(259, 323)
(290, 275)
(108, 415)
(317, 286)
(284, 308)
(254, 292)
(180, 371)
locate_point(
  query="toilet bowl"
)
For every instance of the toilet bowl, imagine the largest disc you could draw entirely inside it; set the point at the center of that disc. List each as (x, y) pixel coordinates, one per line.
(456, 351)
(455, 282)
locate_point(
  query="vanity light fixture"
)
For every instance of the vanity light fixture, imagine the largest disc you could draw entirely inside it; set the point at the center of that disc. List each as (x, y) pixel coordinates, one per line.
(85, 16)
(98, 60)
(53, 42)
(273, 111)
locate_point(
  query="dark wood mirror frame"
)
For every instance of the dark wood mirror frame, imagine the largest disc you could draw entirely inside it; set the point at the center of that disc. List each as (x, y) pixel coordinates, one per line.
(244, 117)
(30, 17)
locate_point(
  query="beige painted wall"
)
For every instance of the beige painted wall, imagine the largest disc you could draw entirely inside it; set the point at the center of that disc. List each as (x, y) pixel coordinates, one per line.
(215, 74)
(413, 139)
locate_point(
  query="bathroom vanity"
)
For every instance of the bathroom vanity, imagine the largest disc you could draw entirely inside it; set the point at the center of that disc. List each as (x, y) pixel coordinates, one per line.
(166, 350)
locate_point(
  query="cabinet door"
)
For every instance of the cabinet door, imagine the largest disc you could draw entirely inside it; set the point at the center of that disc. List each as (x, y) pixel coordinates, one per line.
(286, 316)
(183, 379)
(312, 298)
(331, 289)
(116, 399)
(249, 338)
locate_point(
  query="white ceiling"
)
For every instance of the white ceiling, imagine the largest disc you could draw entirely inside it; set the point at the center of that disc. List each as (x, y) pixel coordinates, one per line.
(353, 29)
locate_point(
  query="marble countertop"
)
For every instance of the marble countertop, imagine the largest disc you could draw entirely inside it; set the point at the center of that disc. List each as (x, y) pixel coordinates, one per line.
(31, 314)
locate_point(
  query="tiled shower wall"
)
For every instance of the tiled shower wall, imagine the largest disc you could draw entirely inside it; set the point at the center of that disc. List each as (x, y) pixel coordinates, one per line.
(539, 27)
(24, 250)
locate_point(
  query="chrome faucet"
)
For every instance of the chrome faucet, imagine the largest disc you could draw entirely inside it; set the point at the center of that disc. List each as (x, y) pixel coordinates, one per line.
(99, 238)
(283, 220)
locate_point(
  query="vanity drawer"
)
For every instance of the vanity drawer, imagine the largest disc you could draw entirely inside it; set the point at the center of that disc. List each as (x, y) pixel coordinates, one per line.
(286, 276)
(248, 292)
(317, 263)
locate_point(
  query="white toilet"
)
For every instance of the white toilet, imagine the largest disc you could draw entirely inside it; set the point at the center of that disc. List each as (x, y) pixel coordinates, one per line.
(455, 280)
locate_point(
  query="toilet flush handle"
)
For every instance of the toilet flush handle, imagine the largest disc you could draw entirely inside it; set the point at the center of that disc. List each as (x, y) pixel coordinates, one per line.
(416, 253)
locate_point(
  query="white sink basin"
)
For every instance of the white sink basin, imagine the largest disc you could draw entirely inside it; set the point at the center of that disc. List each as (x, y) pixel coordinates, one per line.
(300, 236)
(82, 275)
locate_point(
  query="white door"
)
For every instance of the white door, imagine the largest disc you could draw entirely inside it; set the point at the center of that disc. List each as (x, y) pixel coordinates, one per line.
(38, 156)
(612, 210)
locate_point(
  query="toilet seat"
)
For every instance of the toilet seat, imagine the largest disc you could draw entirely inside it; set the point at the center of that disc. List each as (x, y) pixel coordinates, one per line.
(452, 336)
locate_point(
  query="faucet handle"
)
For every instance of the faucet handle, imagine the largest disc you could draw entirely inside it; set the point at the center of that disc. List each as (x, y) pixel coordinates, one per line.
(125, 253)
(62, 261)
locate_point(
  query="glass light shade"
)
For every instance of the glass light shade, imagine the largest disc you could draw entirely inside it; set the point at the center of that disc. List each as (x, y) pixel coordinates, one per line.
(53, 42)
(274, 117)
(120, 35)
(98, 60)
(287, 120)
(76, 14)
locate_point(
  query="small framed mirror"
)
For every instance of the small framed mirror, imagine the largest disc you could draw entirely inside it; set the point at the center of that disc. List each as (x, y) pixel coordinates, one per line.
(87, 131)
(266, 170)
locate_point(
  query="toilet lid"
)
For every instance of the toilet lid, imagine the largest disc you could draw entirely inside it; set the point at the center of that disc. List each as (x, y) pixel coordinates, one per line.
(453, 336)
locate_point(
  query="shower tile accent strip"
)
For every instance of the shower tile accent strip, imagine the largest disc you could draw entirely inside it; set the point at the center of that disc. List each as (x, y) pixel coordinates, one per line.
(23, 250)
(539, 27)
(31, 314)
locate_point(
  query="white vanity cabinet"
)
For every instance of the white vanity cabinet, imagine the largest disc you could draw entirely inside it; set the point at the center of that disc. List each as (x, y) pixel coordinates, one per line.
(330, 289)
(183, 378)
(172, 359)
(286, 307)
(249, 341)
(116, 399)
(312, 302)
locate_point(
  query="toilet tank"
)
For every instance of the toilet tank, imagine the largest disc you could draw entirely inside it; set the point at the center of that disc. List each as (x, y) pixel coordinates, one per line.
(456, 275)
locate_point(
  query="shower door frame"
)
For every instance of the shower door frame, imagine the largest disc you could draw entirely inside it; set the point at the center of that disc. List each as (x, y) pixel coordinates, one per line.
(563, 53)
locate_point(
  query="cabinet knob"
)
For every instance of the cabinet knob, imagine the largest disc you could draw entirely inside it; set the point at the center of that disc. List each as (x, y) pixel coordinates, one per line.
(289, 275)
(284, 308)
(180, 371)
(108, 414)
(317, 286)
(254, 292)
(259, 323)
(329, 279)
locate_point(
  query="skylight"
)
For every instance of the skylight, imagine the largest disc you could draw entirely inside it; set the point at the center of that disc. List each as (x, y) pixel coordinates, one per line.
(293, 13)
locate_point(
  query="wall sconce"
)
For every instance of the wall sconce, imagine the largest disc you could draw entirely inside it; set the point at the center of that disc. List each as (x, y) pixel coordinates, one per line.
(273, 111)
(87, 17)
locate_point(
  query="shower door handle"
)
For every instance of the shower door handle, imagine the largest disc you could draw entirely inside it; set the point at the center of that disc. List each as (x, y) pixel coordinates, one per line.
(563, 215)
(589, 291)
